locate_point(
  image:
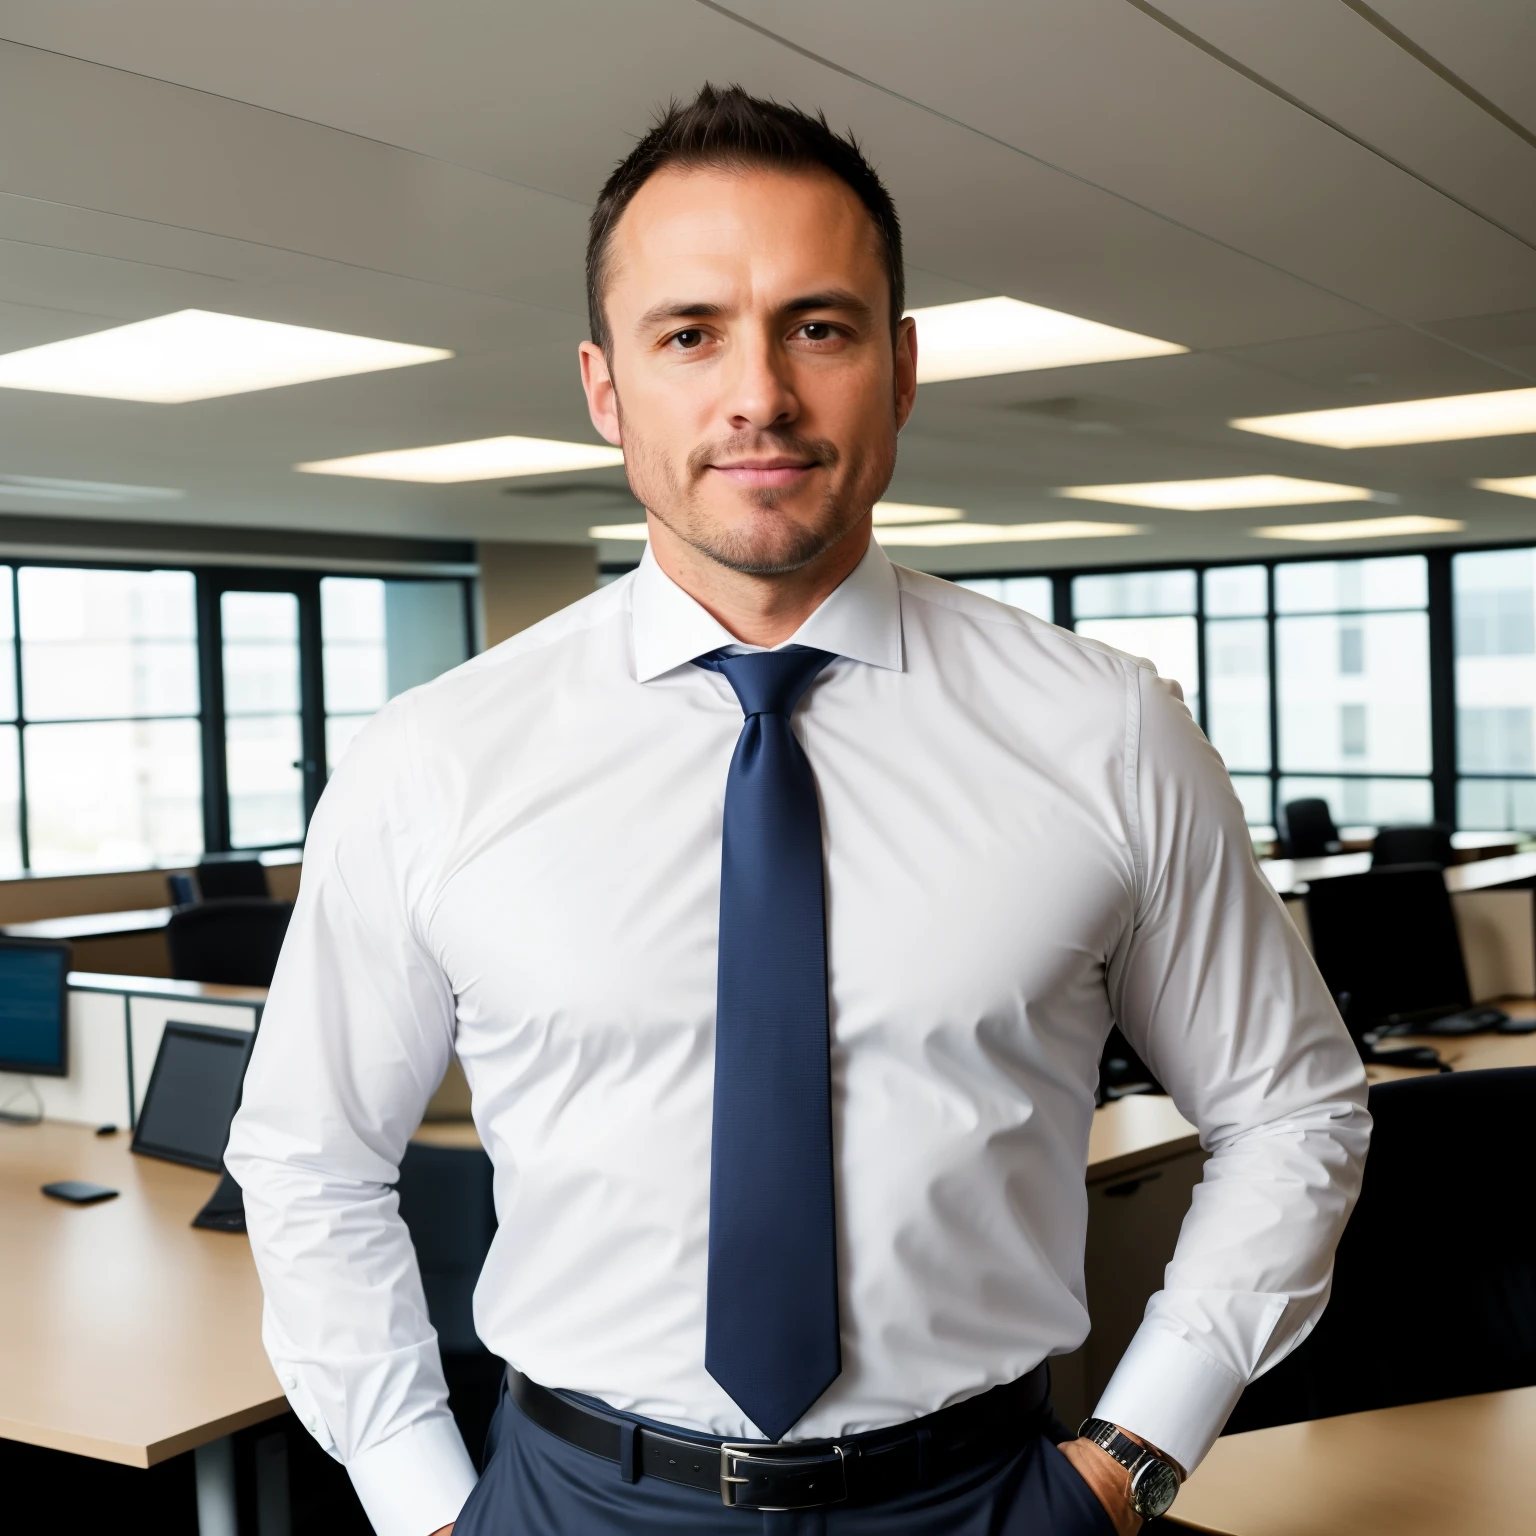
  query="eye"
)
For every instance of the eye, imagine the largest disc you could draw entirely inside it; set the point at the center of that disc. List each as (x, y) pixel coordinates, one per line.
(688, 341)
(817, 330)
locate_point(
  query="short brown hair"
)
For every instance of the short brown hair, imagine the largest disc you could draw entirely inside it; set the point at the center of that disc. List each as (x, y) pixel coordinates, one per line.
(732, 129)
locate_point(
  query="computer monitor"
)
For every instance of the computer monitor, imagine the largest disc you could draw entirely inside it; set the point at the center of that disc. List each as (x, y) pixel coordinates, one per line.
(34, 1011)
(1388, 940)
(193, 1093)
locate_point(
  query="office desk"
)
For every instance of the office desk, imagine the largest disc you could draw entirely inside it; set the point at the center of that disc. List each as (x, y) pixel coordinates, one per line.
(1470, 1053)
(131, 942)
(1289, 876)
(140, 1337)
(1453, 1468)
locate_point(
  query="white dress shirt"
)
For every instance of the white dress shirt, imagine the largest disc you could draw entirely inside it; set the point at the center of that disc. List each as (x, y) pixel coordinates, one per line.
(1027, 840)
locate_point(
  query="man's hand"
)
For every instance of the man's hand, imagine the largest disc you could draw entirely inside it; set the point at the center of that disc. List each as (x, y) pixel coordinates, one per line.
(1110, 1482)
(443, 1530)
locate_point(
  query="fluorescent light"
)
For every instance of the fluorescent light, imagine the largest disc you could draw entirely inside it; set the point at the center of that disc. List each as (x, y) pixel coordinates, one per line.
(1003, 533)
(979, 337)
(620, 531)
(1521, 485)
(1214, 495)
(1441, 420)
(1361, 528)
(35, 486)
(888, 512)
(196, 355)
(488, 458)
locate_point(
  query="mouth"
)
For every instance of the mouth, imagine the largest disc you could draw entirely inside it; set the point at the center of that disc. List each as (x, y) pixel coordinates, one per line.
(774, 473)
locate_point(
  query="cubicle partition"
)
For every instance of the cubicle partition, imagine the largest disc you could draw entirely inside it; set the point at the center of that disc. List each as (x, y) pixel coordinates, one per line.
(115, 1024)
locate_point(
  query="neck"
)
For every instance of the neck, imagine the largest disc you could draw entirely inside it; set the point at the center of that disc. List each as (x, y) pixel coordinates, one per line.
(758, 610)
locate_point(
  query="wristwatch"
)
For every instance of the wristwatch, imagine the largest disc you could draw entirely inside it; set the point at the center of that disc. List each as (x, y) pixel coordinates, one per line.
(1154, 1482)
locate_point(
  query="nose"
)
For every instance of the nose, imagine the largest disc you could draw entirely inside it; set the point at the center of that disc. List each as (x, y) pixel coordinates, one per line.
(758, 389)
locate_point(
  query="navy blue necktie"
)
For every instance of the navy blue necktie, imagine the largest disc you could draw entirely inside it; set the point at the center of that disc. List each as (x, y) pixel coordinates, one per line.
(772, 1331)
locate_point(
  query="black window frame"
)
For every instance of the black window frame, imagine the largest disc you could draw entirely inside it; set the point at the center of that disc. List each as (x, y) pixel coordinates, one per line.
(1444, 775)
(210, 580)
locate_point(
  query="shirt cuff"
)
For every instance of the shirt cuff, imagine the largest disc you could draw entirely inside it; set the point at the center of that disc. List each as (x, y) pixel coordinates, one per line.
(415, 1482)
(1170, 1394)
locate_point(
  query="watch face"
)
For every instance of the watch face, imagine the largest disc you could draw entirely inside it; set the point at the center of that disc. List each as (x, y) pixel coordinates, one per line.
(1154, 1488)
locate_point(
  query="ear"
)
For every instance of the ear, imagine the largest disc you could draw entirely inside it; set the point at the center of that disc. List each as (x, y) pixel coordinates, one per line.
(906, 370)
(602, 399)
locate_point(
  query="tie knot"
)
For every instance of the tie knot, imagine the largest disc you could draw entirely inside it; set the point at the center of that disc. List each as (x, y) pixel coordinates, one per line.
(769, 682)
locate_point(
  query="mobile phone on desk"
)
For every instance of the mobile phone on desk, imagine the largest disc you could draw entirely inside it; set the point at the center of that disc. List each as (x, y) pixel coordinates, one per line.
(79, 1191)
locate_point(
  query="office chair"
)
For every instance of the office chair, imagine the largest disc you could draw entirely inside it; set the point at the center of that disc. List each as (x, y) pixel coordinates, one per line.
(447, 1204)
(220, 879)
(446, 1201)
(1429, 844)
(1307, 830)
(235, 940)
(1434, 1289)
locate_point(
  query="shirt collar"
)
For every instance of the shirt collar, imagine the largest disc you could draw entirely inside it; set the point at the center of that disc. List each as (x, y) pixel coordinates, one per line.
(860, 620)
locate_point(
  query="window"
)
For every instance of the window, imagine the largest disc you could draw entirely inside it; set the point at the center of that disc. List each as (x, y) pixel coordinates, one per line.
(109, 703)
(1352, 679)
(1495, 639)
(1149, 614)
(146, 715)
(1351, 650)
(263, 718)
(378, 639)
(1034, 594)
(1237, 682)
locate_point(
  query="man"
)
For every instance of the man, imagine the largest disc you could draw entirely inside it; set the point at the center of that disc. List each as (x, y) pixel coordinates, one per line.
(778, 903)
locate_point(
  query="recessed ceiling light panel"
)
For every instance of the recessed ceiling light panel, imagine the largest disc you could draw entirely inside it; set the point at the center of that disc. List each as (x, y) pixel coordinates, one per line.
(1448, 418)
(891, 512)
(197, 355)
(640, 531)
(979, 337)
(936, 534)
(1520, 485)
(1361, 528)
(1217, 495)
(487, 458)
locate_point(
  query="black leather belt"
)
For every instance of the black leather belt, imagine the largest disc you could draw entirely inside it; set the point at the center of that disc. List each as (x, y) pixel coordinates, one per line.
(759, 1475)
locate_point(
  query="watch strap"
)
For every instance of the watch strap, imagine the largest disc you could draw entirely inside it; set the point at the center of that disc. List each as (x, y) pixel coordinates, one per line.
(1149, 1495)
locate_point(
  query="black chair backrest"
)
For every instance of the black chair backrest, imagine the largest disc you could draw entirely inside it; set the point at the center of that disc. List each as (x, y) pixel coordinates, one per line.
(1429, 844)
(1307, 830)
(1434, 1290)
(1389, 940)
(219, 879)
(447, 1203)
(234, 941)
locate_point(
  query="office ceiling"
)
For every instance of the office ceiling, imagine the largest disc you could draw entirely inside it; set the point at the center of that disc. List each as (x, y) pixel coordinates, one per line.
(1329, 203)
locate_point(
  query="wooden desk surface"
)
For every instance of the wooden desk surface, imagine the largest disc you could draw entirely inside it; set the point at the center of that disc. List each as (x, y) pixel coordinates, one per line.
(162, 986)
(130, 1337)
(1471, 1053)
(92, 925)
(1453, 1468)
(1481, 874)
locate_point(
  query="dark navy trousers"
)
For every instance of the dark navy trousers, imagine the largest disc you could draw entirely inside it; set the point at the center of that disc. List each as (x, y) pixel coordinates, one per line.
(534, 1484)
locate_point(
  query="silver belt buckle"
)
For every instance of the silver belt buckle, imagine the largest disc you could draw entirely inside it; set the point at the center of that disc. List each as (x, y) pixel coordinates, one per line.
(732, 1453)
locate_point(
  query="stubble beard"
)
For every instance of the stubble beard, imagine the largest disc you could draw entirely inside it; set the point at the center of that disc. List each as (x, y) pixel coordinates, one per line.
(766, 544)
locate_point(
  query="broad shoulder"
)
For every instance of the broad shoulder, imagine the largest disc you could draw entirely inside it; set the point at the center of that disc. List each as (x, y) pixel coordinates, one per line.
(949, 609)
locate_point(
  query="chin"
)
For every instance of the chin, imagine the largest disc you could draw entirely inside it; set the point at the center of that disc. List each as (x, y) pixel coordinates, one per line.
(762, 545)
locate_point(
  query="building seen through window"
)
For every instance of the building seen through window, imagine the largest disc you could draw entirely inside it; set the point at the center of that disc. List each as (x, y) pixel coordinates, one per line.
(1494, 595)
(111, 756)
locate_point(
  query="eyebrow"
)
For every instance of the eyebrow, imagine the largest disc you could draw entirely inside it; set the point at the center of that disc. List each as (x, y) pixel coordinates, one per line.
(684, 309)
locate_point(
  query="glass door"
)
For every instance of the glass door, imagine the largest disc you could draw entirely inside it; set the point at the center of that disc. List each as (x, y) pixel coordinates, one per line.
(262, 736)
